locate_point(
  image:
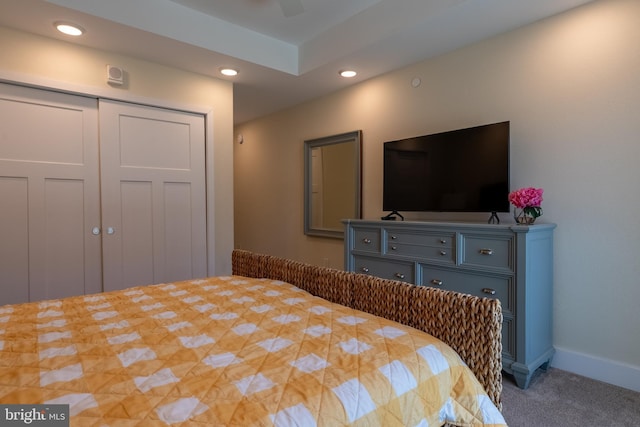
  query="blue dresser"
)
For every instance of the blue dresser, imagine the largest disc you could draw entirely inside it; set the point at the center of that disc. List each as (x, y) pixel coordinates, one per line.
(513, 263)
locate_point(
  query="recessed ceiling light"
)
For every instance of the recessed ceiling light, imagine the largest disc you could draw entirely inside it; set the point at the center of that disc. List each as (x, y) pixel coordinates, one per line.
(229, 72)
(348, 73)
(69, 29)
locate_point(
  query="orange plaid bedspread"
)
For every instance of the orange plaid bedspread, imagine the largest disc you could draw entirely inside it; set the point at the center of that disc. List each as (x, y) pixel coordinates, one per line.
(231, 351)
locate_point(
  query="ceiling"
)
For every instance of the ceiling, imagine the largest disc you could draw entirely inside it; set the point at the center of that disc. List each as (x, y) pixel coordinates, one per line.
(283, 60)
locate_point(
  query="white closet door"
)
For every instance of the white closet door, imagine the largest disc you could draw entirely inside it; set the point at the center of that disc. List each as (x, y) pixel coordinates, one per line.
(49, 195)
(153, 195)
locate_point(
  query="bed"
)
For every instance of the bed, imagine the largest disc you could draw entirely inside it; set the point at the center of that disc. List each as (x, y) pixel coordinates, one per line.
(278, 342)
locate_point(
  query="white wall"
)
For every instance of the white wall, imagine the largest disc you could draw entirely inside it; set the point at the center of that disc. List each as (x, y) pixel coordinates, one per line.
(50, 63)
(570, 87)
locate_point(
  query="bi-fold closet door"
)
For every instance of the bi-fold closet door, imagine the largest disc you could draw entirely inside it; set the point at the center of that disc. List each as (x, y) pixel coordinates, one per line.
(97, 195)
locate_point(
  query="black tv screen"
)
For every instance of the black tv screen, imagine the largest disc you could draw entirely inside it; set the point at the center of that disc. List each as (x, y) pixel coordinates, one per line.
(465, 170)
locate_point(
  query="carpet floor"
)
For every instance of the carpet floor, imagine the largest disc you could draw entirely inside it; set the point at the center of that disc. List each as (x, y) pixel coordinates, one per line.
(561, 398)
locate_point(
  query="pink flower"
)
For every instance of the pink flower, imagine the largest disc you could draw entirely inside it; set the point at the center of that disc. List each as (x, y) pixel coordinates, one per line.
(526, 197)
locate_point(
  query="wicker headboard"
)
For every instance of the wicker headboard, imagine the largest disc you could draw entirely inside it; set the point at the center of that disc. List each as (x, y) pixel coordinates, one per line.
(472, 326)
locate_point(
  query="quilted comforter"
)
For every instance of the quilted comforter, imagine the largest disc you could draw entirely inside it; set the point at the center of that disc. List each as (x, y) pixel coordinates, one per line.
(231, 351)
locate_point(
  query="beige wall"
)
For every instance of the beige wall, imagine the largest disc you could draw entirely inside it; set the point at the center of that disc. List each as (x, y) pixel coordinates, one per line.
(570, 87)
(65, 66)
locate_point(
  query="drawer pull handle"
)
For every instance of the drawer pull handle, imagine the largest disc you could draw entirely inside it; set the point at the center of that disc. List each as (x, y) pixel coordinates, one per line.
(394, 248)
(489, 291)
(364, 269)
(366, 241)
(436, 282)
(443, 253)
(400, 276)
(486, 251)
(443, 241)
(393, 237)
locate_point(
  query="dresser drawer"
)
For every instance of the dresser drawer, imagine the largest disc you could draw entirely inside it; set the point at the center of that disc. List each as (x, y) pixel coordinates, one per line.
(395, 270)
(430, 253)
(487, 252)
(478, 284)
(366, 240)
(443, 240)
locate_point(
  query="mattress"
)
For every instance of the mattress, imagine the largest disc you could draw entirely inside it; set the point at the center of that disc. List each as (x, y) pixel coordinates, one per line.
(231, 351)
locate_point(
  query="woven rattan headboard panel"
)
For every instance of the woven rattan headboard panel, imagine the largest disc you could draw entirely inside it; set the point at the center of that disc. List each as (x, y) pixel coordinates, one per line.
(472, 326)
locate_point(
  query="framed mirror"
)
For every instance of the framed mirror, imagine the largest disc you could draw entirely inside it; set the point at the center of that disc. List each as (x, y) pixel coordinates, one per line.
(332, 183)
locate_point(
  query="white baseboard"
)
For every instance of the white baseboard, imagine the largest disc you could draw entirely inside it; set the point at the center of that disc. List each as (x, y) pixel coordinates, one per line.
(605, 370)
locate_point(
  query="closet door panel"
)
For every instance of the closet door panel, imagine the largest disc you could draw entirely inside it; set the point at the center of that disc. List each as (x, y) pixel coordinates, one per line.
(153, 195)
(178, 232)
(41, 126)
(50, 169)
(136, 235)
(62, 245)
(14, 245)
(143, 135)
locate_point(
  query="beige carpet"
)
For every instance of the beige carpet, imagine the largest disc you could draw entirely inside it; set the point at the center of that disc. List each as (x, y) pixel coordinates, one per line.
(560, 398)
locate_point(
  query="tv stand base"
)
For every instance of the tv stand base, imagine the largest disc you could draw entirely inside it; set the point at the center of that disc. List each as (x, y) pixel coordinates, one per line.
(493, 219)
(392, 216)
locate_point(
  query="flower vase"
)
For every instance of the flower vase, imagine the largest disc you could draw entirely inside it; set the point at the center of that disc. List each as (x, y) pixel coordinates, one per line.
(522, 217)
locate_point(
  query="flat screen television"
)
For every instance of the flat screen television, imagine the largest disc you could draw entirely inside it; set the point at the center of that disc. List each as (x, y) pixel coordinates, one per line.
(464, 170)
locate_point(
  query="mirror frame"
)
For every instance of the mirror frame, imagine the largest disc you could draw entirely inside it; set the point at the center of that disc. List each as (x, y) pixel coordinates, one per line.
(309, 145)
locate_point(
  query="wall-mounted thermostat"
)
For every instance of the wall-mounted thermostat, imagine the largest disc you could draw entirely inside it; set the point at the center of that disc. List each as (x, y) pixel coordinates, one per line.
(115, 75)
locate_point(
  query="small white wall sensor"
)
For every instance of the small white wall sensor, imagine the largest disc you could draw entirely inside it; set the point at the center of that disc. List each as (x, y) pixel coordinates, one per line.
(115, 75)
